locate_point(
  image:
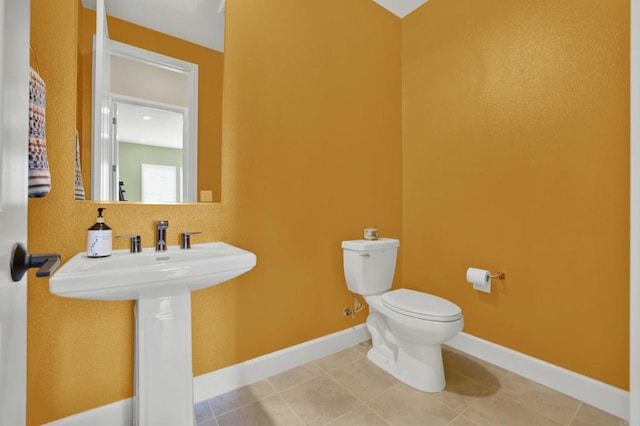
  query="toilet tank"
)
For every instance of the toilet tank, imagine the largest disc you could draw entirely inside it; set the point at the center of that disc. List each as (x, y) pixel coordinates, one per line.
(369, 265)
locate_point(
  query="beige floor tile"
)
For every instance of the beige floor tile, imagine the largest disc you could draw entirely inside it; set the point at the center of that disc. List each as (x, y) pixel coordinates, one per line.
(319, 400)
(203, 411)
(460, 391)
(549, 402)
(295, 376)
(363, 348)
(403, 405)
(266, 412)
(361, 416)
(461, 421)
(347, 389)
(364, 379)
(338, 359)
(241, 396)
(474, 368)
(495, 409)
(588, 415)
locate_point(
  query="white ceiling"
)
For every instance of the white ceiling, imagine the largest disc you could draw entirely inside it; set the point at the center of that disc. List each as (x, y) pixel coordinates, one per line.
(401, 7)
(149, 126)
(201, 21)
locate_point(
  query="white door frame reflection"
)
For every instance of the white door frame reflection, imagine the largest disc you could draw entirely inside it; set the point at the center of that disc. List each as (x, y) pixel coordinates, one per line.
(104, 175)
(151, 133)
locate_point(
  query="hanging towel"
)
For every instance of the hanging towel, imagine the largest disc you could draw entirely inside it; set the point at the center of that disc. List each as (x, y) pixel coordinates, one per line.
(39, 176)
(79, 186)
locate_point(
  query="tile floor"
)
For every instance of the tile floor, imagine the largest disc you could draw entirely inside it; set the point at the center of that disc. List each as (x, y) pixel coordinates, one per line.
(347, 389)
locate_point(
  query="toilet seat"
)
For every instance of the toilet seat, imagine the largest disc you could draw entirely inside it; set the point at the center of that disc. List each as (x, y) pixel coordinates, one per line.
(421, 305)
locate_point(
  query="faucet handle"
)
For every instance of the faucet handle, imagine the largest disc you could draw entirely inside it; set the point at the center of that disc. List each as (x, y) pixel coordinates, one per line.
(136, 244)
(185, 239)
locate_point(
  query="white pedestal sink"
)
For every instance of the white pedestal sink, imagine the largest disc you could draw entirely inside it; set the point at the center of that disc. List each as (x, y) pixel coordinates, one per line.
(161, 283)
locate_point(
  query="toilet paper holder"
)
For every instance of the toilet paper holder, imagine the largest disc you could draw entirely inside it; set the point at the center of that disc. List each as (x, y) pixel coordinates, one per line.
(497, 276)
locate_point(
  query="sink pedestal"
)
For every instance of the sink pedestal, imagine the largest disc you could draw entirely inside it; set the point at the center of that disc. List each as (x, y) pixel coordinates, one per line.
(161, 283)
(163, 372)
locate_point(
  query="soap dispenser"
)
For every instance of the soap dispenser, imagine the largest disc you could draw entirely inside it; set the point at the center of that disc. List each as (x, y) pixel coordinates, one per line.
(99, 238)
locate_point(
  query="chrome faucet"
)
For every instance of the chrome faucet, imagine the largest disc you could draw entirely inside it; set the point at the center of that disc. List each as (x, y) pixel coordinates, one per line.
(161, 235)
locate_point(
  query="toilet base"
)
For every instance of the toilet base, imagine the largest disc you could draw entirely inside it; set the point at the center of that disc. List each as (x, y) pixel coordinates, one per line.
(419, 367)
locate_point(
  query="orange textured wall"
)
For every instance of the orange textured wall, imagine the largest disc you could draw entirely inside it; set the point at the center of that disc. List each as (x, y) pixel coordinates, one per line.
(516, 159)
(209, 90)
(311, 153)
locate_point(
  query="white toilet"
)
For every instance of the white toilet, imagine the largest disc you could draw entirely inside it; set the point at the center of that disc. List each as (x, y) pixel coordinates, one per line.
(407, 327)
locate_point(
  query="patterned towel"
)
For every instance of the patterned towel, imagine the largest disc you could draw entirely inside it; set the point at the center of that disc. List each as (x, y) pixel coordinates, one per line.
(79, 186)
(39, 176)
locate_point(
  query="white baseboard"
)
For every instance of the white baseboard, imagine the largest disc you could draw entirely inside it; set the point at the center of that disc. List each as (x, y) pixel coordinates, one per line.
(217, 382)
(593, 392)
(601, 395)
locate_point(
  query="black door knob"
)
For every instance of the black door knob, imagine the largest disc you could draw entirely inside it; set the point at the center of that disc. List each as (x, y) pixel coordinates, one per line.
(21, 261)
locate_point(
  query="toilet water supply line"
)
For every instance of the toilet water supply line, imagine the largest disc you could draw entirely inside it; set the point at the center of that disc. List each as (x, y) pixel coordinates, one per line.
(357, 307)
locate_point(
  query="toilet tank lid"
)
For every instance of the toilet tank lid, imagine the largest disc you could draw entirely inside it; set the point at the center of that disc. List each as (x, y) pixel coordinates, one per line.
(367, 245)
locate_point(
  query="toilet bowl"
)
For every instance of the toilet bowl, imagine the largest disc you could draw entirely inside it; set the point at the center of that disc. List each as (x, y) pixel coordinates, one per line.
(407, 327)
(407, 345)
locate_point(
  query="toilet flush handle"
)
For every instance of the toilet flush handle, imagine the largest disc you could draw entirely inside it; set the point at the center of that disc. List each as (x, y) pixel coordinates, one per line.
(365, 255)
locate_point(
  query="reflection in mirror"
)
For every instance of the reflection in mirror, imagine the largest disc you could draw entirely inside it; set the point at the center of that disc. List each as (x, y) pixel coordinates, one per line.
(148, 135)
(139, 77)
(207, 111)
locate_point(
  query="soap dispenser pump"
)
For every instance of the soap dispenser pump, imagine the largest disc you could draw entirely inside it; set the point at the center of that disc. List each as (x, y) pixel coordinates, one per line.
(99, 237)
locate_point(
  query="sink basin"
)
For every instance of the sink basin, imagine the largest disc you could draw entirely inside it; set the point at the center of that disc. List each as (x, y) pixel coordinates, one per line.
(161, 284)
(133, 276)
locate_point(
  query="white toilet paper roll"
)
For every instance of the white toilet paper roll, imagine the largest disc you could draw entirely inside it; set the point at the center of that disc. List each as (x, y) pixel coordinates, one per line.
(480, 278)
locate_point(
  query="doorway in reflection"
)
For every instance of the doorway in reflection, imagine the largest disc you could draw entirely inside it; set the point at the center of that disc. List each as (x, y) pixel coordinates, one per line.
(149, 140)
